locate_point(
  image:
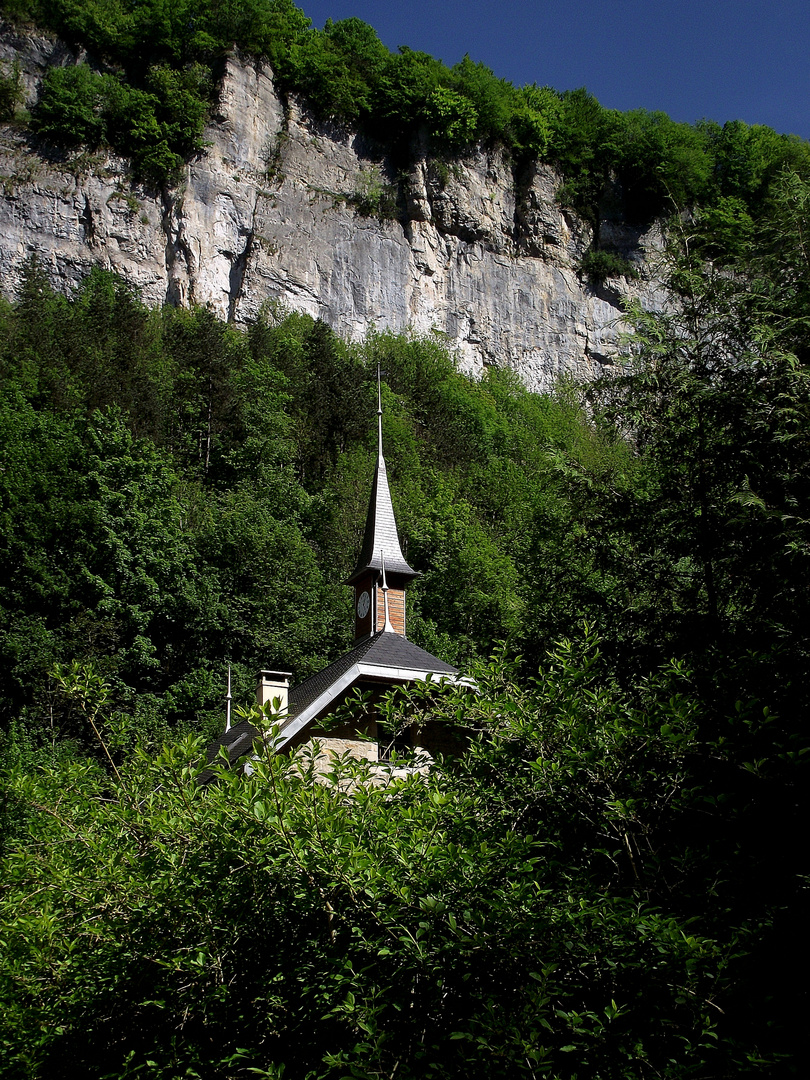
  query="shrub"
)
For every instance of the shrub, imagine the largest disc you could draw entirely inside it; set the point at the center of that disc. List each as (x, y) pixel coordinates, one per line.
(156, 127)
(598, 265)
(11, 92)
(452, 117)
(70, 107)
(373, 197)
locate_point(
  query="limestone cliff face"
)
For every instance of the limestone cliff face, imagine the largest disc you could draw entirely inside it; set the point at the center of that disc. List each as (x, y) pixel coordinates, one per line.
(282, 208)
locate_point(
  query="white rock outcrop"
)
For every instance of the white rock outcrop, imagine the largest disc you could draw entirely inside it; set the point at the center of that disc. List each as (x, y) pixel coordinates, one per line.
(282, 208)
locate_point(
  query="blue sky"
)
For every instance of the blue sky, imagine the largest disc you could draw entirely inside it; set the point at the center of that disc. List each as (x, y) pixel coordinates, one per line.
(720, 59)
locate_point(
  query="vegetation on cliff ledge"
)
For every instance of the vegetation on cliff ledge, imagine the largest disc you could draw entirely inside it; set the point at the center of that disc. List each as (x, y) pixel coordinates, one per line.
(151, 78)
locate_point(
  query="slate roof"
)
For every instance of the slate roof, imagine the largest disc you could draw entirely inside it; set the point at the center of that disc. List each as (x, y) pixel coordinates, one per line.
(238, 741)
(385, 650)
(381, 531)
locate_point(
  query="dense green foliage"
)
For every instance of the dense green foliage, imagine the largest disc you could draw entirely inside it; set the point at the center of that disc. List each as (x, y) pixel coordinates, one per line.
(158, 125)
(159, 69)
(172, 448)
(599, 264)
(517, 916)
(606, 884)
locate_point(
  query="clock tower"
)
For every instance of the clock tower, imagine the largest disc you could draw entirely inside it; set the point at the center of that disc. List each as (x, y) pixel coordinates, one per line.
(381, 574)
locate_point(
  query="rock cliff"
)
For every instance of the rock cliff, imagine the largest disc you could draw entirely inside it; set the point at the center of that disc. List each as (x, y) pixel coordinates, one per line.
(283, 208)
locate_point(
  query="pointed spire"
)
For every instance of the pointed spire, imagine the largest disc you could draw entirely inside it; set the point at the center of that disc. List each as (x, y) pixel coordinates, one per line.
(381, 527)
(228, 700)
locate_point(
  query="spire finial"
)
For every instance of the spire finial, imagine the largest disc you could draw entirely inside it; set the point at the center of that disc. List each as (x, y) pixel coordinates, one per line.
(379, 417)
(387, 627)
(228, 700)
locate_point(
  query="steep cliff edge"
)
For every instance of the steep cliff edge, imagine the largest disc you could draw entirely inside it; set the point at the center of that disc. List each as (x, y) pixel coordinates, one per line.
(283, 208)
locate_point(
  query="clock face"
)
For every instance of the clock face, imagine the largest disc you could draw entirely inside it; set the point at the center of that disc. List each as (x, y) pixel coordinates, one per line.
(363, 604)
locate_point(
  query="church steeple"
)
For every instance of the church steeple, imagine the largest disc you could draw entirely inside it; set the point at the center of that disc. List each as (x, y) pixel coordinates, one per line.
(381, 559)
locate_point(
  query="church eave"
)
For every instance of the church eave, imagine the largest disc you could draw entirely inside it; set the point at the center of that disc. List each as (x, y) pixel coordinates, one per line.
(398, 573)
(356, 674)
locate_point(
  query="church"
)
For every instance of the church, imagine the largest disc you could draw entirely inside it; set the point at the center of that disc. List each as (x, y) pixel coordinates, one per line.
(381, 658)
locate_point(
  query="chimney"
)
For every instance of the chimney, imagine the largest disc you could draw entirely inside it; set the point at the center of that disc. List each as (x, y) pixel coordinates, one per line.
(271, 685)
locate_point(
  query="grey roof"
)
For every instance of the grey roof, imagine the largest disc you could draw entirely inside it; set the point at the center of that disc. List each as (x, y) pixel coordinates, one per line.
(384, 650)
(237, 741)
(386, 656)
(381, 531)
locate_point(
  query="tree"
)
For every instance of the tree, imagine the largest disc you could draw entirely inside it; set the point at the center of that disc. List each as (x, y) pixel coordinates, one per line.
(712, 540)
(12, 94)
(715, 403)
(69, 110)
(452, 117)
(407, 85)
